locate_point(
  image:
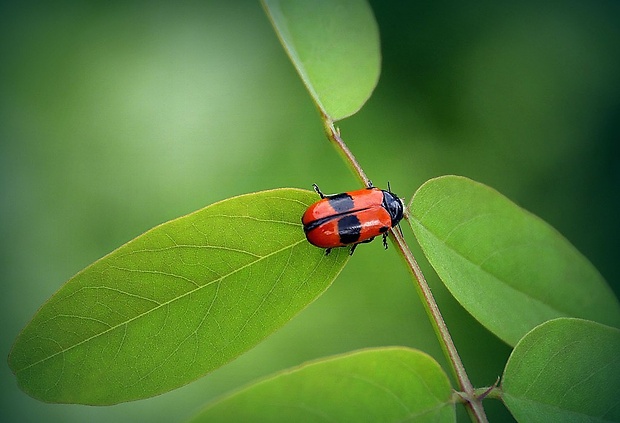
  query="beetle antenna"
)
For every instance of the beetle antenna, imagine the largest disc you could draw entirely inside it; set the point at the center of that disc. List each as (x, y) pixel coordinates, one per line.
(318, 191)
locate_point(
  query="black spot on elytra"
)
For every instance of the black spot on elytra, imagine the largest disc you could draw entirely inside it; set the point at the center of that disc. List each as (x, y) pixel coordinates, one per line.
(349, 229)
(341, 203)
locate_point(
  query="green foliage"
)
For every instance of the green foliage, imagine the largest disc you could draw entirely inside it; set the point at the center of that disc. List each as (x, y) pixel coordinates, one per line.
(334, 46)
(508, 268)
(193, 294)
(565, 370)
(175, 303)
(377, 385)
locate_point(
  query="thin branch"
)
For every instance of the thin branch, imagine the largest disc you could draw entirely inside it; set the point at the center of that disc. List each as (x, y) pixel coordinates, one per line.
(493, 391)
(472, 402)
(333, 134)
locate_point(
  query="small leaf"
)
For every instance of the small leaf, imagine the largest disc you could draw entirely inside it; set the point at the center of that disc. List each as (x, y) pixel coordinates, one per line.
(565, 370)
(334, 45)
(175, 303)
(507, 267)
(377, 385)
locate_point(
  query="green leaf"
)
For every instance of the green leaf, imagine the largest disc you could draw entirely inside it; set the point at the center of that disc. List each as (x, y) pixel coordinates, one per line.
(334, 45)
(376, 385)
(508, 268)
(175, 303)
(565, 370)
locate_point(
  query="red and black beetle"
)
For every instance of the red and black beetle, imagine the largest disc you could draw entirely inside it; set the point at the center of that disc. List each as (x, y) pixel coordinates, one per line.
(351, 218)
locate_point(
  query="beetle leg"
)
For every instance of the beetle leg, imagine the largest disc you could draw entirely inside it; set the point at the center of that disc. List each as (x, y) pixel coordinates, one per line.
(353, 247)
(318, 191)
(369, 184)
(385, 235)
(327, 251)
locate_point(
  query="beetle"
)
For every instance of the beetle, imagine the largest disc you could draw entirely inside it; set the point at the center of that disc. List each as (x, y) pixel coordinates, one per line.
(351, 218)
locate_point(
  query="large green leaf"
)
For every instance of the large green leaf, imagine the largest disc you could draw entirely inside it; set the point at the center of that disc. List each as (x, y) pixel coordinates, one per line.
(508, 268)
(565, 370)
(175, 303)
(378, 385)
(334, 45)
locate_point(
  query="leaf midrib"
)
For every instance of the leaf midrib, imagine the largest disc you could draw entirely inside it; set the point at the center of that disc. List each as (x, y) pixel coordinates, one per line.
(494, 276)
(166, 303)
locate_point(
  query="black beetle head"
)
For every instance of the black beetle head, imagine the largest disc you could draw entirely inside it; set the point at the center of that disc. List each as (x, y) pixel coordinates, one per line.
(394, 206)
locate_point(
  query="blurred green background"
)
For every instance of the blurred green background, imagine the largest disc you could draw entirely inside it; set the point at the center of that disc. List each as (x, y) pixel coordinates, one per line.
(117, 116)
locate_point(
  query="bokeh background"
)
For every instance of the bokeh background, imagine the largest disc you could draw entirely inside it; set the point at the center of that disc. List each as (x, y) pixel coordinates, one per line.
(117, 116)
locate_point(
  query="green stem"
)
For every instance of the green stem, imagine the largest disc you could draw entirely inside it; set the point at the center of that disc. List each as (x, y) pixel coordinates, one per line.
(489, 392)
(333, 134)
(473, 404)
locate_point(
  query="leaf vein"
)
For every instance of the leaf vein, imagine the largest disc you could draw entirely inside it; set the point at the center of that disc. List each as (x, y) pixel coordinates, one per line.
(62, 350)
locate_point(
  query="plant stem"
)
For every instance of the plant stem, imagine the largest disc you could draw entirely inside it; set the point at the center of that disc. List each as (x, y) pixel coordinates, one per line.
(333, 134)
(473, 404)
(489, 392)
